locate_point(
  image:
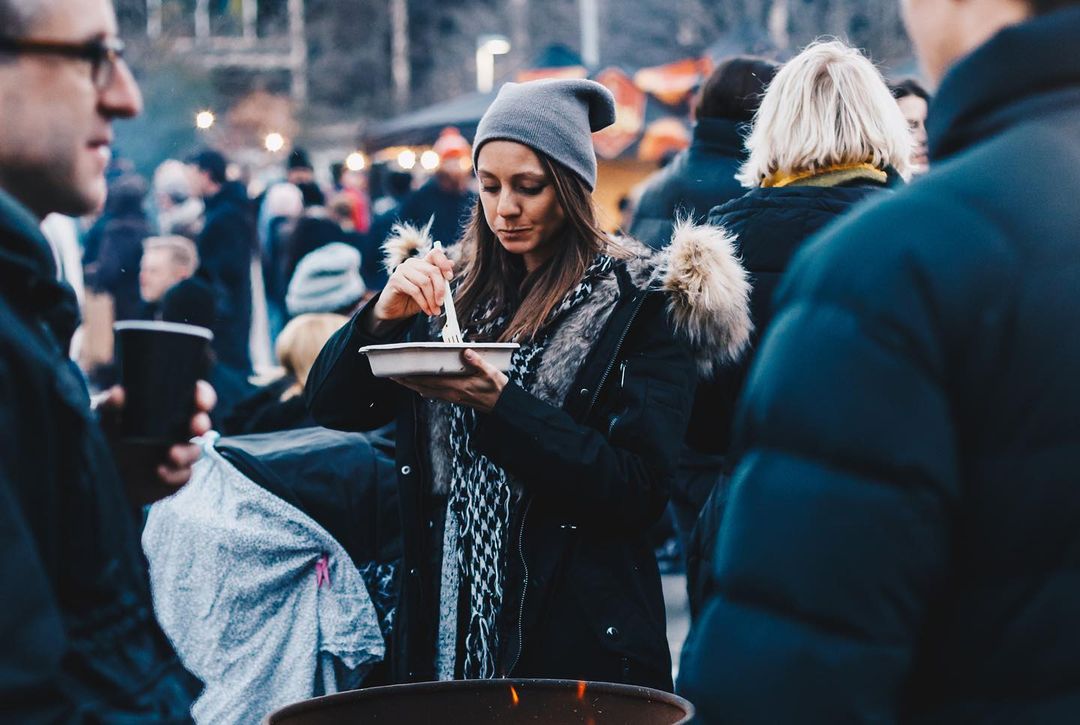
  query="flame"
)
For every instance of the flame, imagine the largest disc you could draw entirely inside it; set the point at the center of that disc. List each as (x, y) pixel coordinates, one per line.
(514, 699)
(580, 690)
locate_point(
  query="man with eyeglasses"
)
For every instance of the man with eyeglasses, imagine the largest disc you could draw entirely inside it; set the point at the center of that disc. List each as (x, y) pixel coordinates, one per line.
(78, 639)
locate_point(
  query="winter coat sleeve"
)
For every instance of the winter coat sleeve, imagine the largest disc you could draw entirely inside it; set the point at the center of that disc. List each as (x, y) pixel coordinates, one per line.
(341, 391)
(620, 475)
(836, 532)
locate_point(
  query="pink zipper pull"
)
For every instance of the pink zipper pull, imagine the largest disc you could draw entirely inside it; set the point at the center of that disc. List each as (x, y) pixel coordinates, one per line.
(322, 571)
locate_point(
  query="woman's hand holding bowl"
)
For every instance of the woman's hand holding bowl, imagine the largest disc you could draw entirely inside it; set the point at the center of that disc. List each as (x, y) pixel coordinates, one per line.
(479, 389)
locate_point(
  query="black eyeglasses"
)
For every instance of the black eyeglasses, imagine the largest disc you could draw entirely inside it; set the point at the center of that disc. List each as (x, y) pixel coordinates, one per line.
(102, 54)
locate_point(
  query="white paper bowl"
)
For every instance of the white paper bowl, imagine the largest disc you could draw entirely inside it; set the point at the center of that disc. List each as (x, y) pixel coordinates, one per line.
(433, 358)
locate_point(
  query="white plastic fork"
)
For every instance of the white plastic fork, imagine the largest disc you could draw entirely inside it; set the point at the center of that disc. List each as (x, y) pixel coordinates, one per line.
(451, 332)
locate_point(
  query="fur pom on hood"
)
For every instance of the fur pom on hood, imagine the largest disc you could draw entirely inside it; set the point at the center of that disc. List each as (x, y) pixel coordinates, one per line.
(708, 290)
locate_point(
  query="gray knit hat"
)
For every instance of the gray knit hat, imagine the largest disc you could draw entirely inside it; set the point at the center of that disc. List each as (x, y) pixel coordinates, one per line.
(326, 280)
(554, 117)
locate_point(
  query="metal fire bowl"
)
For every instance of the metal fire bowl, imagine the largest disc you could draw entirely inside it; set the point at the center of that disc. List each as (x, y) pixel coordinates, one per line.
(566, 702)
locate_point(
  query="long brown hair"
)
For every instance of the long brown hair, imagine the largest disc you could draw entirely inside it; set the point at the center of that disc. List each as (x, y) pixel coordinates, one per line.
(493, 275)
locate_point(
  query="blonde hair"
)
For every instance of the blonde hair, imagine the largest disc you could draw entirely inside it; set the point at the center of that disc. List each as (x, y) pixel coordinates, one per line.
(181, 249)
(828, 106)
(301, 342)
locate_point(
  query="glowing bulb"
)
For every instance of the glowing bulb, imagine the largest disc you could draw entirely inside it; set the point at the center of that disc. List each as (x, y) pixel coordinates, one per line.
(274, 142)
(204, 119)
(355, 161)
(407, 159)
(429, 160)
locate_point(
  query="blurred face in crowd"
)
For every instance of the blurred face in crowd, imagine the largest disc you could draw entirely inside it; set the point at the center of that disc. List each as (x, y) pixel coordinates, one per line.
(943, 31)
(300, 175)
(454, 173)
(519, 200)
(56, 125)
(159, 271)
(201, 183)
(914, 110)
(354, 180)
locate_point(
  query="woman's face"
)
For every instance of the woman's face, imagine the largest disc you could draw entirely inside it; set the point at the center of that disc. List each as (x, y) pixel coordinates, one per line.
(519, 200)
(914, 110)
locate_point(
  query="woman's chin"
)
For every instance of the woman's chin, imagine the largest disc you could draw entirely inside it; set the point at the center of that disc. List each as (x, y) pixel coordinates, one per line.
(517, 245)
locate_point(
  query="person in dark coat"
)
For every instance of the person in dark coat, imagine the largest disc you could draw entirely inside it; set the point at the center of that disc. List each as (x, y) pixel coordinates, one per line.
(166, 271)
(78, 639)
(693, 182)
(902, 534)
(279, 405)
(172, 293)
(313, 230)
(226, 245)
(810, 188)
(526, 497)
(387, 209)
(445, 199)
(281, 208)
(121, 229)
(703, 175)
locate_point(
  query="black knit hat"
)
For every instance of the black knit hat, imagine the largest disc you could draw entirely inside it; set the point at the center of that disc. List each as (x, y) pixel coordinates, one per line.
(298, 159)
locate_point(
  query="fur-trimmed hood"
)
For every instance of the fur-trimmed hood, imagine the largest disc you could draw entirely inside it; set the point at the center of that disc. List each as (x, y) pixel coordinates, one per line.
(708, 289)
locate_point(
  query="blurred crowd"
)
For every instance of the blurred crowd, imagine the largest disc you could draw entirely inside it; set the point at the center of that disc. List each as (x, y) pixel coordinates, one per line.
(824, 366)
(194, 246)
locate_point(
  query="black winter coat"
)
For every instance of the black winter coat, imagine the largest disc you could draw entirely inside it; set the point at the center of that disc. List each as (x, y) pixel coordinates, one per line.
(697, 179)
(768, 225)
(226, 245)
(583, 597)
(116, 269)
(593, 608)
(902, 536)
(79, 640)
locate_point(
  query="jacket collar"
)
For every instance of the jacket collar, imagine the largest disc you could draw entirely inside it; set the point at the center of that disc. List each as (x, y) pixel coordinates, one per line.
(995, 86)
(720, 135)
(28, 271)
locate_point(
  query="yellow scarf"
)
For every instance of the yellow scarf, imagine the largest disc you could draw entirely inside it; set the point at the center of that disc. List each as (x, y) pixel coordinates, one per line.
(782, 179)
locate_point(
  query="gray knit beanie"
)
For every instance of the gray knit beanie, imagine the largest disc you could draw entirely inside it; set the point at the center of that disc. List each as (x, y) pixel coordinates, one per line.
(326, 280)
(554, 117)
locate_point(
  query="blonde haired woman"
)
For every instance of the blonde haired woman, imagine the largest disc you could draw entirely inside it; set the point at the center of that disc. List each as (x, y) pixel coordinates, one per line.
(279, 405)
(827, 136)
(828, 113)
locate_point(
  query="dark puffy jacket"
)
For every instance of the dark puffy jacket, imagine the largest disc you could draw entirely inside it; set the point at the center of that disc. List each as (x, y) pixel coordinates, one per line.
(583, 597)
(697, 179)
(902, 537)
(80, 643)
(769, 225)
(225, 246)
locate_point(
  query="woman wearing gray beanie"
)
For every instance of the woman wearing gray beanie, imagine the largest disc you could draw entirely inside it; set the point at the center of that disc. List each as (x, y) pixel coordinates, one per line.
(527, 497)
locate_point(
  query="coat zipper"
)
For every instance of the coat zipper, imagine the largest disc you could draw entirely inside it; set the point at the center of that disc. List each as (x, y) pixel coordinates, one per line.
(524, 590)
(615, 355)
(525, 515)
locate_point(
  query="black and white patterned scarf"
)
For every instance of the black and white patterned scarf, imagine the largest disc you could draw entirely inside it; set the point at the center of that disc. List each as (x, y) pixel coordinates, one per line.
(480, 494)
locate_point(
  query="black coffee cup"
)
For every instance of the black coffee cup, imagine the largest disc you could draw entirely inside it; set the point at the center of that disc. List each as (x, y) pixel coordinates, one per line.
(160, 362)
